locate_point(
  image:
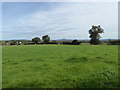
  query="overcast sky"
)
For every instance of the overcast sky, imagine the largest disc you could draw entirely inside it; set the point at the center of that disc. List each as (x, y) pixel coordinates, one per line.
(25, 20)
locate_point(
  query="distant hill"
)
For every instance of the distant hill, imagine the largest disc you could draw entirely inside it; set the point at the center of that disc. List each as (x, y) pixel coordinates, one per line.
(64, 39)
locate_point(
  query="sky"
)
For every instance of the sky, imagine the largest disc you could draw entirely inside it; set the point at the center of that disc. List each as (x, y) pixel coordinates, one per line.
(71, 20)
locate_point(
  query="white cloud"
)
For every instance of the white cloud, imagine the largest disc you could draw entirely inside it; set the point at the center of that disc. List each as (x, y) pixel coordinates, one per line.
(70, 20)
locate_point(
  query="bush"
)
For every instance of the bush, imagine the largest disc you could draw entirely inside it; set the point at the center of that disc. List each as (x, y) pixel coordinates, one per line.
(13, 43)
(114, 42)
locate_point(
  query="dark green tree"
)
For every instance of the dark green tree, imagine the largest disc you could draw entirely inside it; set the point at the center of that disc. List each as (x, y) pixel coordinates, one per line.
(74, 42)
(46, 38)
(13, 42)
(95, 32)
(36, 40)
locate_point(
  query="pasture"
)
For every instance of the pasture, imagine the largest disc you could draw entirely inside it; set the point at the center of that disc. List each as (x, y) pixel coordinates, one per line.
(60, 66)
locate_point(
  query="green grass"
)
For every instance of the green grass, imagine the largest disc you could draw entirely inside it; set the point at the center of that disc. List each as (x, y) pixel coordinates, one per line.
(0, 67)
(60, 66)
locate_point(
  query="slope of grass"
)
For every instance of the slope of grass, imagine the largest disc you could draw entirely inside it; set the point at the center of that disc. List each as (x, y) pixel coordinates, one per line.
(60, 66)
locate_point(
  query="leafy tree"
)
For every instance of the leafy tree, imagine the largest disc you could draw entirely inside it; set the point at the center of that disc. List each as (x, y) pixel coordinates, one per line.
(95, 32)
(36, 40)
(74, 42)
(46, 38)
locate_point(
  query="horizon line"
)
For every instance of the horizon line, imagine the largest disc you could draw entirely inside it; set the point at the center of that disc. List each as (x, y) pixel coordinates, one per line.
(62, 39)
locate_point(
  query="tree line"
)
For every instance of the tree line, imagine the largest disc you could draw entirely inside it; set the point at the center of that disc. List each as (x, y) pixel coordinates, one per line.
(94, 32)
(46, 40)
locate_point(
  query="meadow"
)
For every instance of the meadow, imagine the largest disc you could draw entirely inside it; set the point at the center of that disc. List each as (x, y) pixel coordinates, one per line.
(60, 66)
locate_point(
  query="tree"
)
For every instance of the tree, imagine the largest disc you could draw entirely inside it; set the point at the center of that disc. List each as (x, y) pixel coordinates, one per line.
(95, 32)
(46, 38)
(13, 42)
(75, 42)
(36, 40)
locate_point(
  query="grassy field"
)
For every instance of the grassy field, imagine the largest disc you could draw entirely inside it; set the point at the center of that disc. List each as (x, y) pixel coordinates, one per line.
(60, 66)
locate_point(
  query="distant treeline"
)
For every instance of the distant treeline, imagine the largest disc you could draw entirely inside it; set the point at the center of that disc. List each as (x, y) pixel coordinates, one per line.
(30, 42)
(69, 42)
(94, 32)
